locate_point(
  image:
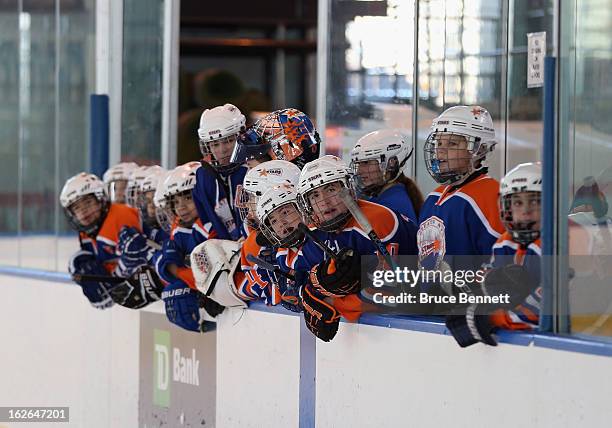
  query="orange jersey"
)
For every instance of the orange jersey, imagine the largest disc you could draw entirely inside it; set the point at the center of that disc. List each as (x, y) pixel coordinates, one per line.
(104, 245)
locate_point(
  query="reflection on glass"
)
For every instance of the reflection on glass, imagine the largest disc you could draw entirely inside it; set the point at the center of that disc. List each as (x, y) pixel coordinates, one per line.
(142, 81)
(76, 82)
(525, 130)
(370, 71)
(37, 124)
(9, 135)
(460, 63)
(586, 127)
(45, 84)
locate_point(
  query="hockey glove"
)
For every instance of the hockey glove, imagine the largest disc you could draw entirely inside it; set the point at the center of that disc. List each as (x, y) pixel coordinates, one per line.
(133, 248)
(320, 317)
(142, 288)
(85, 263)
(514, 280)
(340, 277)
(291, 300)
(182, 305)
(471, 328)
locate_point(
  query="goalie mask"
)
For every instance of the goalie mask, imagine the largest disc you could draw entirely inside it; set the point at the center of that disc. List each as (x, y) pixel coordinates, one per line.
(85, 203)
(520, 202)
(218, 131)
(146, 198)
(379, 158)
(177, 199)
(319, 192)
(291, 135)
(458, 144)
(279, 215)
(116, 180)
(259, 179)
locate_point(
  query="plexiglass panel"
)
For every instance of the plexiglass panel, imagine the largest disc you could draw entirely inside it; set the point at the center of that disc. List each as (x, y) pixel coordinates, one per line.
(370, 75)
(586, 72)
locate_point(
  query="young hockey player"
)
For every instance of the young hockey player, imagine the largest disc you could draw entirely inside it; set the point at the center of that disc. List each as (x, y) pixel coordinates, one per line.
(459, 221)
(279, 216)
(252, 281)
(217, 180)
(138, 248)
(116, 180)
(378, 161)
(515, 263)
(338, 279)
(98, 222)
(182, 300)
(286, 134)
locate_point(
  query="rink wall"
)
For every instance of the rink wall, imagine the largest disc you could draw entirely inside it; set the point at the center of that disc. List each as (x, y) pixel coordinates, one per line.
(58, 351)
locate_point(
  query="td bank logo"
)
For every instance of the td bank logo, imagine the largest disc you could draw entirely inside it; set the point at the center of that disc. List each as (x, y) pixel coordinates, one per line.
(184, 370)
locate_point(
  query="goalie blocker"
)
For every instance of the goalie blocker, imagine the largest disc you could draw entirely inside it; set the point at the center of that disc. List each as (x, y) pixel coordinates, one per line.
(214, 263)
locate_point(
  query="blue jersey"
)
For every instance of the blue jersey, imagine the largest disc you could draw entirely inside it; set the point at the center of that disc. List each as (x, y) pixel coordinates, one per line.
(176, 251)
(506, 252)
(215, 201)
(462, 221)
(395, 231)
(396, 197)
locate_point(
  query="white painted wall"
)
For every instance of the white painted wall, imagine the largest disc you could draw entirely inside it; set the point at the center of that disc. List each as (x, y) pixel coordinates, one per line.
(258, 363)
(58, 351)
(370, 376)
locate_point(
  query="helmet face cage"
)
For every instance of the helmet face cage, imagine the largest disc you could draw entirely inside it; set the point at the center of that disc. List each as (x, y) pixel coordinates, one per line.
(246, 202)
(223, 164)
(441, 169)
(294, 237)
(117, 191)
(329, 202)
(93, 228)
(164, 218)
(523, 232)
(132, 193)
(370, 175)
(145, 201)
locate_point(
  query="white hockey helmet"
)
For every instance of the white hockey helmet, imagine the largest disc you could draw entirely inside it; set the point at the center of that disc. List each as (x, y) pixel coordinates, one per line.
(390, 149)
(116, 180)
(320, 172)
(472, 123)
(274, 199)
(78, 187)
(220, 123)
(181, 180)
(524, 178)
(259, 179)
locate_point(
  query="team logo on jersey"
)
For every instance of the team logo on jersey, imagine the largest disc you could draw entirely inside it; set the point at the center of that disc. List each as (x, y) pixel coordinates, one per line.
(431, 242)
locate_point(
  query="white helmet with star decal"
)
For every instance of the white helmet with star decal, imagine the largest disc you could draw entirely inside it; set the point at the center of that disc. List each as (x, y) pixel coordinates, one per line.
(459, 141)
